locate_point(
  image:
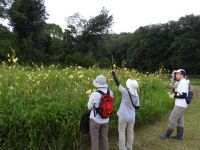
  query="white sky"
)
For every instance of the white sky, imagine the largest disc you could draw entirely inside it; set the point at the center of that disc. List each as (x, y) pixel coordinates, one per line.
(128, 15)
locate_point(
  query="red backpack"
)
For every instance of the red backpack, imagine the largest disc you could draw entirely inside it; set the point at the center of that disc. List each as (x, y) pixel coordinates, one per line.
(106, 104)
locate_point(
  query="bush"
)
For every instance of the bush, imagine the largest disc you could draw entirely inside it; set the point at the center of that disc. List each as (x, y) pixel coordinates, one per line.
(80, 59)
(104, 63)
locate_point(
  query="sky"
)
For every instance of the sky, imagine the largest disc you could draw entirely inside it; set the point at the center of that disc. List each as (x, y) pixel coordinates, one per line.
(128, 15)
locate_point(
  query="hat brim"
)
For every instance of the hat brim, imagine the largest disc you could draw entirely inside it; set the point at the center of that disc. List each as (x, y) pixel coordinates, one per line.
(99, 85)
(177, 71)
(133, 92)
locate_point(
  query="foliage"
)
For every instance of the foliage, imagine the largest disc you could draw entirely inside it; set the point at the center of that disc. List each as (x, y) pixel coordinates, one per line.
(171, 45)
(27, 16)
(79, 59)
(4, 4)
(40, 108)
(54, 30)
(104, 63)
(6, 41)
(89, 34)
(117, 46)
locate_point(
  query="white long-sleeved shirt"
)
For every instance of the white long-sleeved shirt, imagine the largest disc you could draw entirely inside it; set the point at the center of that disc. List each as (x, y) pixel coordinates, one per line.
(94, 99)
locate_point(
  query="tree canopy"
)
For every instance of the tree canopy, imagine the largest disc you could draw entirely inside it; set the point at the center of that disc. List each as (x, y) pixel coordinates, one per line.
(172, 45)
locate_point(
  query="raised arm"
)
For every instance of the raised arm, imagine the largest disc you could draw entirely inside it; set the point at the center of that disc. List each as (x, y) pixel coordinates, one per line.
(115, 78)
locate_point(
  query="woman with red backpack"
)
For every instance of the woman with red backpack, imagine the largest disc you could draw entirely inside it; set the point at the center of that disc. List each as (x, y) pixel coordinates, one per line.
(99, 119)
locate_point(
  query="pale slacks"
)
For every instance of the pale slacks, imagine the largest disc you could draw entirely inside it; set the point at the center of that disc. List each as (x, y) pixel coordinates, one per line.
(177, 117)
(125, 130)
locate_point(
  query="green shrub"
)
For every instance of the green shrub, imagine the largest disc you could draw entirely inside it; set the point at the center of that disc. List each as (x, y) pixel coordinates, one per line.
(104, 63)
(80, 59)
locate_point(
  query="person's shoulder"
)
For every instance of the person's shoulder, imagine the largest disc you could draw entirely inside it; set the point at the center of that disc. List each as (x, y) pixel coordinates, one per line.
(184, 82)
(121, 87)
(95, 93)
(188, 81)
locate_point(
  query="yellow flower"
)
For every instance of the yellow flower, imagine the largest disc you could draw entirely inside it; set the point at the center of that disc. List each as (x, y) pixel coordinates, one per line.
(114, 66)
(89, 92)
(71, 76)
(11, 87)
(15, 60)
(81, 76)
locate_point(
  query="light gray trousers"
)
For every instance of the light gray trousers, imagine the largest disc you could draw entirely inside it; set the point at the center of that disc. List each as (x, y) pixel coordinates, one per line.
(126, 130)
(177, 117)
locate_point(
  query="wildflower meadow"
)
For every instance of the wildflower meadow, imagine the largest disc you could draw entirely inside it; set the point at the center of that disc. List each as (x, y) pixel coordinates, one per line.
(41, 107)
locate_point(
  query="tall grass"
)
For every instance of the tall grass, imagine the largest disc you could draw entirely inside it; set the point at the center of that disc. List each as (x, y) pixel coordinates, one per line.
(41, 107)
(195, 81)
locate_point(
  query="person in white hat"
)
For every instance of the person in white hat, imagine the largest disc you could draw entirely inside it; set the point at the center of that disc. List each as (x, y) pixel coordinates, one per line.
(177, 115)
(126, 113)
(98, 125)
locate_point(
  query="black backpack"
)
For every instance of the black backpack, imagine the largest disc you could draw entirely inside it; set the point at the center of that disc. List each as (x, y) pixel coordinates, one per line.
(84, 123)
(189, 96)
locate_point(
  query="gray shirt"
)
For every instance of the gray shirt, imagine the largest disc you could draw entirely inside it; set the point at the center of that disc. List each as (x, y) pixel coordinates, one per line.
(126, 110)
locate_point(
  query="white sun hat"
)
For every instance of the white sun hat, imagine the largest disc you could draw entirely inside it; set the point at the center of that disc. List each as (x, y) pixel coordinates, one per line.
(100, 81)
(132, 85)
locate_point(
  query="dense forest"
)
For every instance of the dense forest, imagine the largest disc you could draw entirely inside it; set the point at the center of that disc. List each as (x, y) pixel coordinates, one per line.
(172, 45)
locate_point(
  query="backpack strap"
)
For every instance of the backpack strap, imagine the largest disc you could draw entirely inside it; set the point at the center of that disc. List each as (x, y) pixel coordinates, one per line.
(131, 99)
(94, 108)
(99, 91)
(108, 91)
